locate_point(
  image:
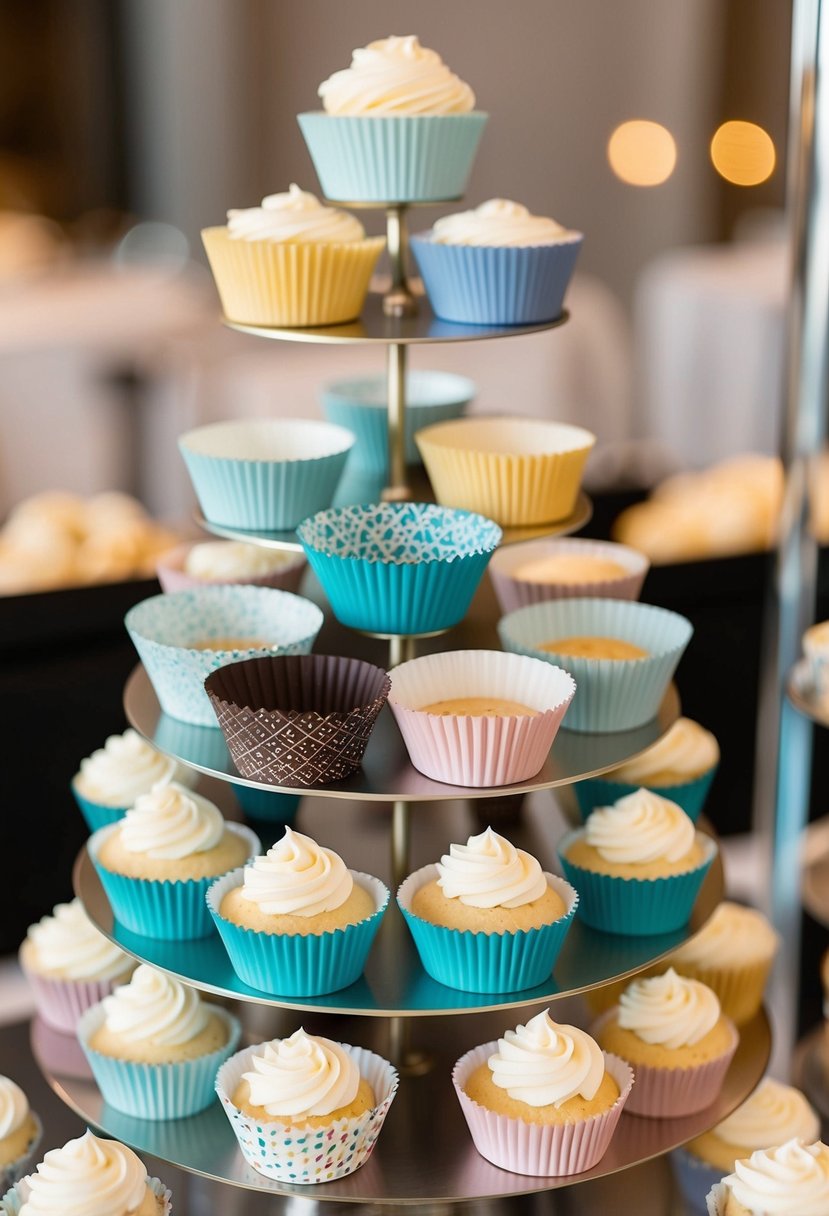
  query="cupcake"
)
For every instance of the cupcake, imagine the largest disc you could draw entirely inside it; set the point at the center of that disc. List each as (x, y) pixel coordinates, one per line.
(154, 1046)
(291, 262)
(20, 1132)
(542, 1100)
(568, 568)
(681, 767)
(397, 126)
(109, 781)
(70, 965)
(816, 649)
(637, 865)
(789, 1180)
(157, 863)
(229, 561)
(497, 265)
(487, 918)
(296, 921)
(306, 1109)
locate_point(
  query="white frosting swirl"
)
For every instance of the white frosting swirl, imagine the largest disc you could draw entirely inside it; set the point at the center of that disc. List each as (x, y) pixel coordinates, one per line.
(734, 935)
(302, 1076)
(155, 1008)
(233, 559)
(396, 76)
(498, 222)
(170, 823)
(789, 1180)
(772, 1112)
(639, 828)
(87, 1177)
(669, 1010)
(68, 944)
(296, 217)
(125, 768)
(489, 872)
(545, 1064)
(687, 750)
(14, 1107)
(297, 878)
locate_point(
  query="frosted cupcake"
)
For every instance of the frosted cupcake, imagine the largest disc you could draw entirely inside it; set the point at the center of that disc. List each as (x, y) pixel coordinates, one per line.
(816, 649)
(113, 777)
(544, 1099)
(20, 1132)
(291, 262)
(229, 561)
(297, 921)
(70, 965)
(154, 1046)
(487, 918)
(306, 1109)
(789, 1180)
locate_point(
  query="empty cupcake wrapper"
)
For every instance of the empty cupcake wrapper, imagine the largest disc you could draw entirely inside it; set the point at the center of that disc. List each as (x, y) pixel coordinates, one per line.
(13, 1171)
(600, 791)
(695, 1178)
(514, 592)
(96, 814)
(13, 1200)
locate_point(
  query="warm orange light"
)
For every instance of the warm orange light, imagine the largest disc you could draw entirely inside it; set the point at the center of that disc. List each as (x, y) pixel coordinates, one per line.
(642, 153)
(743, 153)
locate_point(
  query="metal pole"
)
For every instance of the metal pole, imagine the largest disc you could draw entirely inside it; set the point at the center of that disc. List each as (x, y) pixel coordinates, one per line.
(399, 301)
(397, 490)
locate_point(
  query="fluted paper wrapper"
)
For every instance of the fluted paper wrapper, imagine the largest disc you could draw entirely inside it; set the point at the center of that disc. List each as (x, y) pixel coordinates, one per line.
(62, 1002)
(265, 806)
(289, 1152)
(531, 1148)
(695, 1178)
(600, 791)
(96, 814)
(13, 1171)
(173, 577)
(739, 988)
(13, 1200)
(716, 1200)
(514, 592)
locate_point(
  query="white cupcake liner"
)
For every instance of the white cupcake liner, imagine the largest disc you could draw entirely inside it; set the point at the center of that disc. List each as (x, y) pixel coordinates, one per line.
(13, 1200)
(514, 592)
(716, 1200)
(173, 577)
(13, 1171)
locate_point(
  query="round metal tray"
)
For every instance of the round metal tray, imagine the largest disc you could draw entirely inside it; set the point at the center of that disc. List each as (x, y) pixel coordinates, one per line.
(810, 1070)
(803, 695)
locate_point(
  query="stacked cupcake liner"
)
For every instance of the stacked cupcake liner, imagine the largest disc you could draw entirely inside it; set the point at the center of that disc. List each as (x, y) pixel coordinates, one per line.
(695, 1178)
(96, 814)
(13, 1171)
(13, 1200)
(391, 158)
(600, 791)
(62, 1002)
(486, 962)
(267, 806)
(739, 987)
(292, 965)
(173, 577)
(514, 592)
(552, 1150)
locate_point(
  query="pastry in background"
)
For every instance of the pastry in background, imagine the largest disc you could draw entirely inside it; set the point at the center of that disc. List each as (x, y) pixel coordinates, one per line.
(791, 1179)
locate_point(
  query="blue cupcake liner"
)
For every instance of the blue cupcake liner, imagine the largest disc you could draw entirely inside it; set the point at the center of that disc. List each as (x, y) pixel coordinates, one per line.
(157, 1091)
(612, 695)
(486, 962)
(167, 911)
(690, 795)
(12, 1201)
(293, 965)
(418, 567)
(95, 813)
(392, 158)
(694, 1177)
(637, 907)
(267, 806)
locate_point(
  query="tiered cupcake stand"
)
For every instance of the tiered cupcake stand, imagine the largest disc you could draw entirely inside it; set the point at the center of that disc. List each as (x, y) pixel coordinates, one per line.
(424, 1154)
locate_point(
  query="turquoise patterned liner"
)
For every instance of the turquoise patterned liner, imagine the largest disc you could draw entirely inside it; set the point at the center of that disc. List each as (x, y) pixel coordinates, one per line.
(13, 1200)
(95, 813)
(694, 1178)
(690, 795)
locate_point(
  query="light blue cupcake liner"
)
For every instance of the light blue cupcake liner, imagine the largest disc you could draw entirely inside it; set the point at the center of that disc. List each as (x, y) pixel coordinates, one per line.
(418, 566)
(157, 1091)
(291, 965)
(488, 285)
(267, 806)
(95, 813)
(392, 158)
(486, 962)
(13, 1200)
(164, 627)
(168, 911)
(638, 907)
(612, 695)
(690, 795)
(694, 1178)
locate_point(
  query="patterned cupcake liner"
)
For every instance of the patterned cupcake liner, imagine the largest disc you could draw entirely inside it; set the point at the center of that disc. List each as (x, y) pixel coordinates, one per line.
(486, 285)
(13, 1171)
(173, 577)
(739, 988)
(600, 791)
(292, 965)
(532, 1148)
(13, 1200)
(157, 1091)
(399, 567)
(478, 751)
(293, 1153)
(695, 1178)
(266, 806)
(640, 907)
(486, 962)
(95, 814)
(716, 1200)
(514, 592)
(160, 908)
(392, 158)
(62, 1002)
(613, 695)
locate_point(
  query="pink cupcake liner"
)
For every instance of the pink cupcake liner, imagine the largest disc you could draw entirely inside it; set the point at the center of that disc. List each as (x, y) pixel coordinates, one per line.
(530, 1148)
(173, 577)
(513, 592)
(62, 1002)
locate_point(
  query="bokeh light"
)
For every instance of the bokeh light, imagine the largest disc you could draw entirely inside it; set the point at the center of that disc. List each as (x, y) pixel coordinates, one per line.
(743, 153)
(642, 153)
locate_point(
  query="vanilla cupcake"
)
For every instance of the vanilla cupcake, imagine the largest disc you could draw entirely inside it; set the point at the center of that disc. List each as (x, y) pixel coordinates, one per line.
(70, 965)
(229, 561)
(20, 1132)
(816, 649)
(113, 777)
(789, 1180)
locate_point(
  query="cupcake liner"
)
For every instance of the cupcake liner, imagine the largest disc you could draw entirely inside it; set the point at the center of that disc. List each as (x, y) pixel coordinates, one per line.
(478, 751)
(240, 485)
(96, 814)
(639, 907)
(392, 158)
(473, 464)
(201, 745)
(267, 806)
(62, 1002)
(13, 1171)
(695, 1178)
(291, 965)
(13, 1200)
(173, 577)
(488, 285)
(164, 627)
(613, 694)
(298, 721)
(290, 284)
(402, 568)
(514, 592)
(157, 1091)
(159, 908)
(291, 1153)
(486, 962)
(739, 988)
(716, 1200)
(690, 795)
(531, 1148)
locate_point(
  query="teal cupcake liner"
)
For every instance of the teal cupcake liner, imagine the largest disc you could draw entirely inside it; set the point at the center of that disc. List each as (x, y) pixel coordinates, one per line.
(157, 1091)
(267, 806)
(13, 1200)
(95, 813)
(612, 695)
(167, 911)
(293, 965)
(695, 1178)
(13, 1171)
(690, 795)
(392, 158)
(486, 962)
(637, 907)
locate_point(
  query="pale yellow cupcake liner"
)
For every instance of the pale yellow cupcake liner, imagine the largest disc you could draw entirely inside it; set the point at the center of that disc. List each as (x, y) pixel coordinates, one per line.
(739, 989)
